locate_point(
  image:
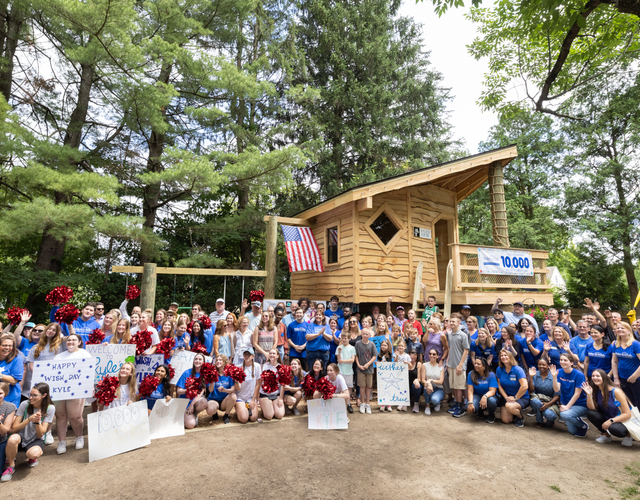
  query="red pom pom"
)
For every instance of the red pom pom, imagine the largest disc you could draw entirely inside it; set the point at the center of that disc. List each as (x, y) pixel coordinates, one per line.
(269, 381)
(67, 314)
(147, 386)
(133, 292)
(14, 313)
(192, 385)
(165, 347)
(106, 390)
(256, 295)
(209, 373)
(171, 370)
(235, 372)
(206, 322)
(325, 387)
(308, 385)
(190, 327)
(59, 295)
(142, 340)
(284, 374)
(199, 347)
(96, 337)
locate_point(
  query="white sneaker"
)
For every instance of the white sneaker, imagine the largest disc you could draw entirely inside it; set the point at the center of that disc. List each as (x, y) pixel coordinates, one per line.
(628, 441)
(79, 444)
(62, 447)
(48, 438)
(416, 407)
(381, 408)
(368, 409)
(603, 439)
(362, 408)
(427, 410)
(436, 408)
(296, 411)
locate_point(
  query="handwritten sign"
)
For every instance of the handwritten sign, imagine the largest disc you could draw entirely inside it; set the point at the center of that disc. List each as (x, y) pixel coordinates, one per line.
(146, 365)
(181, 361)
(327, 414)
(118, 430)
(67, 379)
(167, 419)
(393, 384)
(110, 358)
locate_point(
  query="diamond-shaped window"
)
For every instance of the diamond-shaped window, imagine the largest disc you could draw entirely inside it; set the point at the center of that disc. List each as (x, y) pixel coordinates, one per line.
(384, 228)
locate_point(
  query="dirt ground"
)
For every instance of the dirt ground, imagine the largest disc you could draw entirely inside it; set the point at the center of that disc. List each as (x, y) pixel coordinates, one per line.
(383, 455)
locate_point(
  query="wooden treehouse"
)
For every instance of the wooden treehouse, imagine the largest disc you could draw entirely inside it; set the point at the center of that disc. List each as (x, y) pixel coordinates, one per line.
(385, 238)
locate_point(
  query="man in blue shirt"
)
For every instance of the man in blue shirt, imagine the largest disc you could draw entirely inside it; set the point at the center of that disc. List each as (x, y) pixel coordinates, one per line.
(297, 338)
(582, 341)
(83, 326)
(333, 309)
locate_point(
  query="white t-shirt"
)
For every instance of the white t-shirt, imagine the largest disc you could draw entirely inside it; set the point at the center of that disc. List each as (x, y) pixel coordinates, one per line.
(269, 366)
(402, 358)
(123, 399)
(433, 373)
(46, 354)
(80, 353)
(155, 339)
(339, 383)
(254, 321)
(249, 385)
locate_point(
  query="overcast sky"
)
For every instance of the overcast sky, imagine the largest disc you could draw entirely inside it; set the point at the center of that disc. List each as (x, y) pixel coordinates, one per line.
(447, 37)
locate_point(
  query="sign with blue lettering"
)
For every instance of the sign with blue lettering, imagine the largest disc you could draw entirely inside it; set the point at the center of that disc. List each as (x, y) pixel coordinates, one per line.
(67, 379)
(504, 262)
(393, 384)
(109, 358)
(327, 414)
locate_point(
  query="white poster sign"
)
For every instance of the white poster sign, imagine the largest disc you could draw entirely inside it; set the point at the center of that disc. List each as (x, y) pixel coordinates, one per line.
(505, 262)
(327, 414)
(287, 302)
(182, 361)
(118, 430)
(393, 384)
(146, 365)
(110, 358)
(67, 379)
(167, 419)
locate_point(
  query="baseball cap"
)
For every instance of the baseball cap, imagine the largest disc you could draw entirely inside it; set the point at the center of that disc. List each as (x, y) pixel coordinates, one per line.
(220, 300)
(399, 307)
(466, 307)
(247, 351)
(30, 325)
(174, 304)
(518, 303)
(256, 303)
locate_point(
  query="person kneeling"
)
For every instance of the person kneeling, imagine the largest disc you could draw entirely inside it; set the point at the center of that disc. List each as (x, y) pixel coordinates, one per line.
(222, 394)
(481, 391)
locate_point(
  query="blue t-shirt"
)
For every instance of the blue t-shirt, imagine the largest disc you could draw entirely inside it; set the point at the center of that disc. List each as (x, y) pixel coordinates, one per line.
(599, 358)
(475, 335)
(628, 361)
(296, 333)
(544, 337)
(82, 328)
(483, 352)
(579, 346)
(26, 346)
(510, 382)
(182, 381)
(414, 345)
(554, 354)
(223, 382)
(14, 369)
(208, 340)
(157, 394)
(319, 343)
(330, 314)
(483, 385)
(569, 382)
(332, 345)
(181, 342)
(526, 353)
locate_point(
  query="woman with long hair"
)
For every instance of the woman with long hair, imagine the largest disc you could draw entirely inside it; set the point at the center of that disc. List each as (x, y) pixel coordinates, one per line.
(265, 337)
(199, 402)
(483, 347)
(70, 410)
(522, 324)
(126, 391)
(271, 404)
(293, 394)
(335, 335)
(626, 362)
(109, 324)
(608, 408)
(195, 313)
(573, 401)
(509, 342)
(492, 327)
(415, 387)
(598, 354)
(222, 394)
(161, 316)
(199, 334)
(472, 326)
(11, 367)
(122, 334)
(513, 389)
(532, 347)
(243, 340)
(183, 338)
(435, 338)
(432, 380)
(32, 421)
(163, 391)
(167, 330)
(222, 340)
(559, 345)
(246, 403)
(481, 391)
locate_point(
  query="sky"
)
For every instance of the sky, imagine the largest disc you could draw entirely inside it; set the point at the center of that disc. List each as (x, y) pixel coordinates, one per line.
(447, 37)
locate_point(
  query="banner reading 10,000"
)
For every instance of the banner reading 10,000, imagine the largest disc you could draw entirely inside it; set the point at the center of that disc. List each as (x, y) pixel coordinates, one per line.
(505, 262)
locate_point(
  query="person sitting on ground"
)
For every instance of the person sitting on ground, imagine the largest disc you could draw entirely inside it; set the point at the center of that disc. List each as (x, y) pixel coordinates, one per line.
(544, 399)
(512, 388)
(222, 394)
(163, 391)
(608, 408)
(294, 394)
(127, 389)
(199, 402)
(573, 401)
(481, 391)
(333, 375)
(271, 404)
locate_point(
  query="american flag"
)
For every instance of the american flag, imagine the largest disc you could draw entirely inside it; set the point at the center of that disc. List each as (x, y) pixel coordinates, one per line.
(303, 253)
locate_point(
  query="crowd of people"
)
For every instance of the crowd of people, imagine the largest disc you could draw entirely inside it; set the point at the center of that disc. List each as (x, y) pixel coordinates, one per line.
(560, 371)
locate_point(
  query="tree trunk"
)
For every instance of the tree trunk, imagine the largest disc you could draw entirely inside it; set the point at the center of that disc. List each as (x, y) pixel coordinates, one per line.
(9, 32)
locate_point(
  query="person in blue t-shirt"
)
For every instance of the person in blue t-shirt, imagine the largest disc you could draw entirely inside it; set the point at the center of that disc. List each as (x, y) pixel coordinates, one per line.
(573, 402)
(598, 355)
(83, 326)
(199, 403)
(483, 347)
(163, 391)
(582, 341)
(481, 391)
(222, 394)
(333, 310)
(626, 362)
(318, 338)
(11, 368)
(532, 347)
(559, 345)
(297, 338)
(544, 400)
(512, 388)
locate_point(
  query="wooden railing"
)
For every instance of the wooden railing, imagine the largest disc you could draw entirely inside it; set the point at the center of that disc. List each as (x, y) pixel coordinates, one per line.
(467, 277)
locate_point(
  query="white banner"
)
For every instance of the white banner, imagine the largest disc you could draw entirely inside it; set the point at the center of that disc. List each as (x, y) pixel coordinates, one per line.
(181, 361)
(505, 262)
(110, 358)
(67, 379)
(287, 302)
(146, 365)
(167, 419)
(327, 414)
(118, 430)
(393, 384)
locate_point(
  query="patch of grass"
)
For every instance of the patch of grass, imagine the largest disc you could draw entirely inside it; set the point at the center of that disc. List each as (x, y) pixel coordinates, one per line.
(631, 492)
(555, 487)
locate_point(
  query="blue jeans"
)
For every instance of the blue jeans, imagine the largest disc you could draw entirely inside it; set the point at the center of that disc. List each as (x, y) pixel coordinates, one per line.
(281, 352)
(435, 397)
(492, 404)
(415, 393)
(550, 415)
(321, 355)
(571, 417)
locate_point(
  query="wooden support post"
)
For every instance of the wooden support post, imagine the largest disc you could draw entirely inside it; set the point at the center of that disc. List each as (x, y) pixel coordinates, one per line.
(148, 288)
(498, 205)
(271, 258)
(447, 290)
